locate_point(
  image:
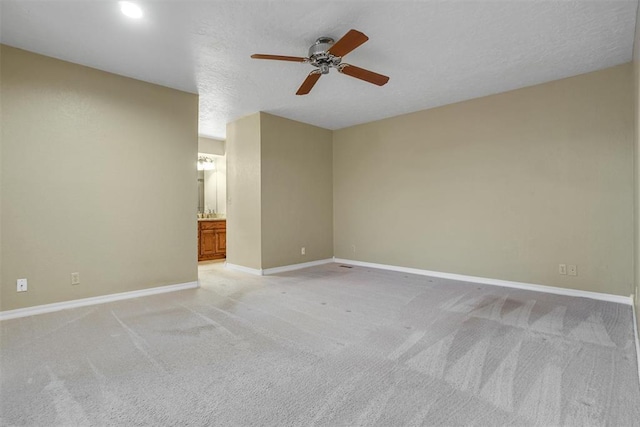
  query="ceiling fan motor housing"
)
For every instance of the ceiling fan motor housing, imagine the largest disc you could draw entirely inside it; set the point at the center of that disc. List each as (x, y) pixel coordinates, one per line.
(320, 57)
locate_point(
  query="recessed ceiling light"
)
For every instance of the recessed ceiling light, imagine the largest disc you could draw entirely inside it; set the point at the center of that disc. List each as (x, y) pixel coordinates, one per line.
(131, 10)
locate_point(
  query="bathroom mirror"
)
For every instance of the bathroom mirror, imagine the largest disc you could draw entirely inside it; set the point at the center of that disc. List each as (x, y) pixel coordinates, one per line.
(212, 187)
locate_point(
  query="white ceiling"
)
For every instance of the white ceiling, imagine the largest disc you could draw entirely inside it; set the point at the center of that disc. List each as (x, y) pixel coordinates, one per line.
(436, 52)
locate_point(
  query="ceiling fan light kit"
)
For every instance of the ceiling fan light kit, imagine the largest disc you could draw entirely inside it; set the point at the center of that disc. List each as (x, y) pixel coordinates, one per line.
(325, 54)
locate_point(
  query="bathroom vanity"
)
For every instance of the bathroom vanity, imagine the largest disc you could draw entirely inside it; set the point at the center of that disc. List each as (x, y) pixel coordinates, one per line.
(212, 238)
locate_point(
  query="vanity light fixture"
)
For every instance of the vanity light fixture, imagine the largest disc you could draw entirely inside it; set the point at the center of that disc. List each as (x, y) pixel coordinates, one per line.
(131, 10)
(206, 163)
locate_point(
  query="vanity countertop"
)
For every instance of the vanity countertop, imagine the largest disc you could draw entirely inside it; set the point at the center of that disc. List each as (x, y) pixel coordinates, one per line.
(212, 219)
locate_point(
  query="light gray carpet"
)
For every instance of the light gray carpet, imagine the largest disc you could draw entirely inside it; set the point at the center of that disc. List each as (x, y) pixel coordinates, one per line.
(324, 346)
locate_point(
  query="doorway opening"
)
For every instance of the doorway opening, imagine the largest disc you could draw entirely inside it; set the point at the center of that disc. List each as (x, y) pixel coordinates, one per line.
(212, 207)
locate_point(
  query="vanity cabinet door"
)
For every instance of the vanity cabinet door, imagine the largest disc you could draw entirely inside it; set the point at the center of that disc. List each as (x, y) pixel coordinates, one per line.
(221, 242)
(207, 243)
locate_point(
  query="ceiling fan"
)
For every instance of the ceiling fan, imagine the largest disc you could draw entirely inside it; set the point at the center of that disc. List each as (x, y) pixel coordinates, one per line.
(326, 54)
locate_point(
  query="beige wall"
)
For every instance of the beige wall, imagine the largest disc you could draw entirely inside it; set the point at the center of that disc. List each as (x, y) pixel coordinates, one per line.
(297, 195)
(244, 239)
(80, 191)
(1, 190)
(636, 96)
(507, 186)
(279, 183)
(210, 146)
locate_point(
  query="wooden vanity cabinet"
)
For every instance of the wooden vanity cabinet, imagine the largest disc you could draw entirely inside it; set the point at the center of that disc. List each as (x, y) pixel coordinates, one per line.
(212, 240)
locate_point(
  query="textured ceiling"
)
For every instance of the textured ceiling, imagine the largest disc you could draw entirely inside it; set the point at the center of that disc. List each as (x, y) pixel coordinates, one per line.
(436, 52)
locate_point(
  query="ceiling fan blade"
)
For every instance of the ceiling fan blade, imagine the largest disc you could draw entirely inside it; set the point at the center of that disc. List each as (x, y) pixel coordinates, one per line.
(362, 74)
(279, 57)
(347, 43)
(309, 82)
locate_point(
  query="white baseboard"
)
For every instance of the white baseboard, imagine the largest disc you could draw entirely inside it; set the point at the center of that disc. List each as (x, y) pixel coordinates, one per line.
(276, 270)
(57, 306)
(496, 282)
(242, 269)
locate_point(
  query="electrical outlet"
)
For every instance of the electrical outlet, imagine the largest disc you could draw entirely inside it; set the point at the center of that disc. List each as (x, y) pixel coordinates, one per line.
(303, 251)
(21, 285)
(573, 270)
(75, 278)
(562, 269)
